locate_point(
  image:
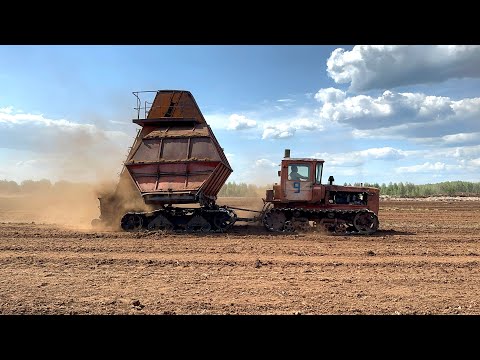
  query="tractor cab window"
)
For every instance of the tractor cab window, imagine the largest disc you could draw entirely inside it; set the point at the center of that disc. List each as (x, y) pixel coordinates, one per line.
(318, 173)
(298, 172)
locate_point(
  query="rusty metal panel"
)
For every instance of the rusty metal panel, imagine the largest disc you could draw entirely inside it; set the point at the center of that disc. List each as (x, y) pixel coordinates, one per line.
(171, 176)
(187, 107)
(175, 104)
(144, 176)
(296, 190)
(183, 176)
(220, 149)
(220, 178)
(374, 200)
(195, 181)
(215, 182)
(185, 131)
(223, 178)
(147, 151)
(162, 104)
(203, 148)
(318, 193)
(175, 149)
(198, 173)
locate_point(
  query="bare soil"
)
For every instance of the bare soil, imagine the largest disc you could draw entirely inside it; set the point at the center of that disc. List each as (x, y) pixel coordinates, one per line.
(423, 260)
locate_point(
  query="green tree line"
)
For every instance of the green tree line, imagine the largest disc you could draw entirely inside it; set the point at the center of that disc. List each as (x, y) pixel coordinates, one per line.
(233, 189)
(450, 188)
(407, 189)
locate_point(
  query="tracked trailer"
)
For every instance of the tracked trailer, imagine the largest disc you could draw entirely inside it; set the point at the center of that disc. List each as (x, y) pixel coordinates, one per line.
(175, 159)
(176, 168)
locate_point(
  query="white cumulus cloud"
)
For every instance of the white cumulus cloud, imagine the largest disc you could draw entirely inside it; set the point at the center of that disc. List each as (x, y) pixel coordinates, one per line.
(387, 110)
(384, 153)
(474, 162)
(425, 167)
(277, 131)
(288, 129)
(265, 163)
(358, 158)
(27, 162)
(464, 152)
(412, 115)
(330, 95)
(240, 122)
(6, 110)
(461, 138)
(10, 118)
(368, 67)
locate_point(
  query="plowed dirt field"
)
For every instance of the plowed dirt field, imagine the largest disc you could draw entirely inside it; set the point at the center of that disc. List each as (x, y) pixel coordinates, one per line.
(423, 260)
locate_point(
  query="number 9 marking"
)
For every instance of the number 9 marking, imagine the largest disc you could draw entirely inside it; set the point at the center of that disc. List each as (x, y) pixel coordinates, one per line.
(296, 186)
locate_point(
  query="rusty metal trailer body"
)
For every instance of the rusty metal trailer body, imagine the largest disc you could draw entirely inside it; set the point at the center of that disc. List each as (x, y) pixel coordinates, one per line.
(175, 159)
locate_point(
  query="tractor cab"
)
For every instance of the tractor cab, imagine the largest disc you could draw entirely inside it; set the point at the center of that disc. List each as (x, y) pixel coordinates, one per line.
(300, 180)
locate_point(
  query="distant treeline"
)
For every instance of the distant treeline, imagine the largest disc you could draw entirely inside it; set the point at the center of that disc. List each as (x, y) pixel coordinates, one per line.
(39, 186)
(400, 189)
(450, 188)
(233, 189)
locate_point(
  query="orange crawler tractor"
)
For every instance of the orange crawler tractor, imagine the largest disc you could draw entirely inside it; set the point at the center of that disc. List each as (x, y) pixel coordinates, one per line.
(301, 198)
(176, 160)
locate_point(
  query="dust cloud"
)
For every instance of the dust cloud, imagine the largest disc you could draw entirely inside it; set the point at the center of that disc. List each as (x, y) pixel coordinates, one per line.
(72, 205)
(82, 162)
(88, 155)
(64, 203)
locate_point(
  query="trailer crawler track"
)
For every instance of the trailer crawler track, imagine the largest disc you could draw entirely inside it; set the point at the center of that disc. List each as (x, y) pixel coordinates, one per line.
(191, 220)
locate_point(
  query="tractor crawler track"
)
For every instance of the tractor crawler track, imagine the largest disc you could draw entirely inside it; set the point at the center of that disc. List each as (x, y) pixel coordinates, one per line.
(359, 221)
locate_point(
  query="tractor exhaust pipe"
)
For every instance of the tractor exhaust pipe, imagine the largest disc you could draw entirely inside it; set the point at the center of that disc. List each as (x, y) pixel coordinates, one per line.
(287, 153)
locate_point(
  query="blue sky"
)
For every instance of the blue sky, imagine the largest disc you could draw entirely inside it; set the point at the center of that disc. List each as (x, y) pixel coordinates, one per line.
(373, 113)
